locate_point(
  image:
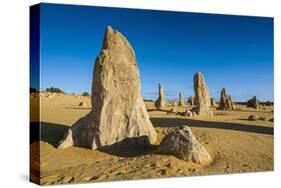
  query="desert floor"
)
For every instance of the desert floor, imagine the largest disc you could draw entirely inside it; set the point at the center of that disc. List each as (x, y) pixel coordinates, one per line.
(234, 143)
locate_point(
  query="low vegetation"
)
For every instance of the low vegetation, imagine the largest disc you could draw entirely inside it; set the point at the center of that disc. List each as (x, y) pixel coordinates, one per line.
(54, 90)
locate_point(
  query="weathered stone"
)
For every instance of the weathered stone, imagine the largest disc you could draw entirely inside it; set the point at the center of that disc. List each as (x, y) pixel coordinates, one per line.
(191, 100)
(271, 120)
(119, 112)
(253, 117)
(184, 145)
(181, 99)
(203, 102)
(213, 102)
(194, 114)
(172, 111)
(253, 103)
(232, 106)
(226, 102)
(187, 113)
(175, 103)
(160, 102)
(262, 118)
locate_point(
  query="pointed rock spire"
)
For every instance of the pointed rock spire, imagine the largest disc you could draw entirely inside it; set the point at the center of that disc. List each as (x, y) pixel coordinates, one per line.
(118, 111)
(160, 102)
(181, 99)
(203, 102)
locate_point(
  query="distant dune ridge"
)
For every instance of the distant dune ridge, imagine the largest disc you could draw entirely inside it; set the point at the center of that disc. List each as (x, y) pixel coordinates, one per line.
(118, 109)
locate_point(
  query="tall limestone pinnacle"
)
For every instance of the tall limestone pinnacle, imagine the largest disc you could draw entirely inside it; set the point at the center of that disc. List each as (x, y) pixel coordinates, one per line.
(118, 111)
(160, 102)
(203, 102)
(181, 99)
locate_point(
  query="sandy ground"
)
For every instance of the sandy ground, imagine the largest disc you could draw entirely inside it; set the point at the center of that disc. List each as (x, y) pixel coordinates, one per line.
(235, 144)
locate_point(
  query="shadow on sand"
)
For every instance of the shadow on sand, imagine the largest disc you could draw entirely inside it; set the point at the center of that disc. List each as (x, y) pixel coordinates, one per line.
(78, 108)
(47, 132)
(130, 147)
(157, 110)
(175, 122)
(54, 133)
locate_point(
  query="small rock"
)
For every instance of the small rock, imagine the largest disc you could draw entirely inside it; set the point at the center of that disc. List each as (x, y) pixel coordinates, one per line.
(253, 117)
(82, 104)
(172, 111)
(184, 145)
(187, 113)
(262, 118)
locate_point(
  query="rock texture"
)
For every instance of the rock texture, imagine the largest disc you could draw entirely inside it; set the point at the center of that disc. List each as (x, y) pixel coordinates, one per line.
(183, 144)
(226, 102)
(160, 102)
(202, 98)
(119, 112)
(253, 103)
(181, 99)
(191, 100)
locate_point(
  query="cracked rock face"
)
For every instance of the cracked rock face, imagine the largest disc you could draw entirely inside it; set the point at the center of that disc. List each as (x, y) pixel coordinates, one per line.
(118, 110)
(202, 98)
(184, 145)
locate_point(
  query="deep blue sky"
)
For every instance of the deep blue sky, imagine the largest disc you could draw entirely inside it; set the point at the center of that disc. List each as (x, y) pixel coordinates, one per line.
(235, 52)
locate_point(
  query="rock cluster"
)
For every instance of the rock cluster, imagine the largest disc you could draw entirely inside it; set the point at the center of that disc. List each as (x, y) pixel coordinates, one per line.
(203, 102)
(160, 102)
(226, 102)
(253, 103)
(119, 111)
(189, 113)
(213, 102)
(184, 145)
